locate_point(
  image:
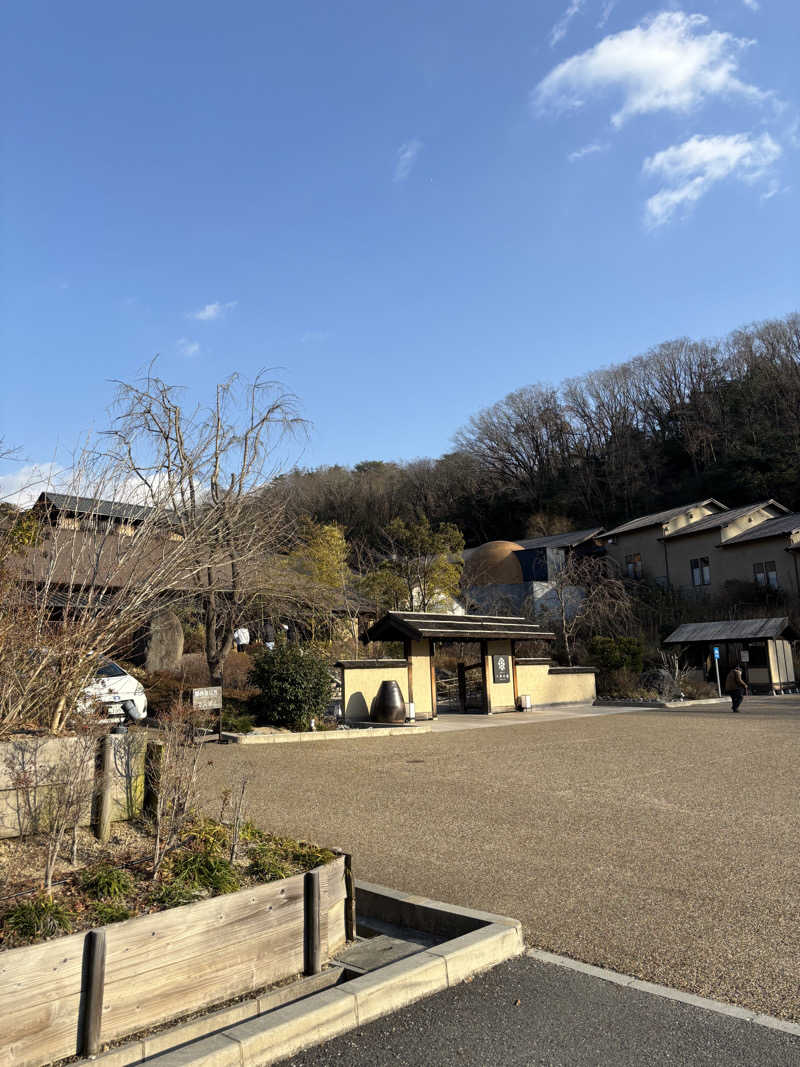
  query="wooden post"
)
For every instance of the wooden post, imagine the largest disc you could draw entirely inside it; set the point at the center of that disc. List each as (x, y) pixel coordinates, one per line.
(102, 822)
(514, 671)
(434, 709)
(152, 775)
(487, 700)
(407, 654)
(94, 960)
(461, 670)
(350, 899)
(311, 910)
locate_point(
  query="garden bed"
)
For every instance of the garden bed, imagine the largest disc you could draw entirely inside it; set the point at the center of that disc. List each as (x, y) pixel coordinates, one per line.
(205, 931)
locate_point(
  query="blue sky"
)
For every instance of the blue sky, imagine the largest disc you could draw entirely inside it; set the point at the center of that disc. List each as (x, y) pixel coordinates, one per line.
(412, 209)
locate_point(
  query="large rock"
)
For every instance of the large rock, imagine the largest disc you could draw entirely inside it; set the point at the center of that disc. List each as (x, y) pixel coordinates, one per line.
(159, 644)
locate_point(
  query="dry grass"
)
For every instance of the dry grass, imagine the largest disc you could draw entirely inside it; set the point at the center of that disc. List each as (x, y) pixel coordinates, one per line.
(664, 845)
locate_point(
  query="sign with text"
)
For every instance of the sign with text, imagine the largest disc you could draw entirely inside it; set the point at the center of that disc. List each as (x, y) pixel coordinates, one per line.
(501, 669)
(207, 699)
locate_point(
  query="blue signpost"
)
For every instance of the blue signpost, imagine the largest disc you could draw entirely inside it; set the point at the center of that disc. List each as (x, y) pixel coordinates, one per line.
(716, 668)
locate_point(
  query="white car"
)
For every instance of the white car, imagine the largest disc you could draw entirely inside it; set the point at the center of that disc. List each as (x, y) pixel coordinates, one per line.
(118, 694)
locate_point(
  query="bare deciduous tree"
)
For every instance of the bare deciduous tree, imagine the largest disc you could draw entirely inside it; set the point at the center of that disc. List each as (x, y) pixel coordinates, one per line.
(173, 780)
(212, 465)
(589, 599)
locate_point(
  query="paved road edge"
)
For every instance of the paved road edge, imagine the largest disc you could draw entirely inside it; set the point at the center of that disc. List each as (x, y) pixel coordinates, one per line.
(629, 982)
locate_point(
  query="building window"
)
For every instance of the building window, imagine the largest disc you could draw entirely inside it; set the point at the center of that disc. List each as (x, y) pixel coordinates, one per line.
(766, 574)
(701, 572)
(633, 565)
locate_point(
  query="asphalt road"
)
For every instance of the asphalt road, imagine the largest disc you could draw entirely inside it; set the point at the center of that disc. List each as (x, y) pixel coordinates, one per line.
(665, 845)
(525, 1013)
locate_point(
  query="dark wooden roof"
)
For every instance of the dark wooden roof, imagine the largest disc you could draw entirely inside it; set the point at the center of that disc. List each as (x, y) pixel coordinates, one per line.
(730, 630)
(420, 625)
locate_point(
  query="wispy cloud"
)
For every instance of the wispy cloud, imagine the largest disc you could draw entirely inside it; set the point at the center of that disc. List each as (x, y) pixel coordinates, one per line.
(608, 7)
(671, 62)
(754, 5)
(187, 347)
(406, 158)
(588, 150)
(690, 169)
(559, 30)
(22, 486)
(212, 311)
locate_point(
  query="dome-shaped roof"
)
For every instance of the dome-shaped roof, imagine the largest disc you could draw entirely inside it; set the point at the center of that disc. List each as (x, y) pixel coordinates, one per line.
(494, 564)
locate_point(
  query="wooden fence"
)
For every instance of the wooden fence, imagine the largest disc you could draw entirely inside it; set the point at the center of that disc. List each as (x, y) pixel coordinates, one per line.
(69, 996)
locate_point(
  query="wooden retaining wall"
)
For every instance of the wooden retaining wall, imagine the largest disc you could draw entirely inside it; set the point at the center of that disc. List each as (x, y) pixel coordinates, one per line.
(161, 966)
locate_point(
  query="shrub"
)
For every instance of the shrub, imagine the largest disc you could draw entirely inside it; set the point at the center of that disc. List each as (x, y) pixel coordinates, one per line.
(107, 883)
(204, 870)
(616, 653)
(110, 911)
(698, 690)
(173, 894)
(37, 919)
(294, 686)
(266, 863)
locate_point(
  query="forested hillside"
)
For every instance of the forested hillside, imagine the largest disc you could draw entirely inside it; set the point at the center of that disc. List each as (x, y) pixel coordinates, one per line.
(686, 420)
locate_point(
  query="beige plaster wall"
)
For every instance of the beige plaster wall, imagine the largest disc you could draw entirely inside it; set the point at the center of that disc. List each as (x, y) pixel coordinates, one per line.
(501, 695)
(646, 543)
(421, 679)
(361, 686)
(562, 688)
(736, 562)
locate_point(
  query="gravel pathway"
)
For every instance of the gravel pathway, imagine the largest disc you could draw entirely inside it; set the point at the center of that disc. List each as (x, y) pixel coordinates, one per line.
(663, 845)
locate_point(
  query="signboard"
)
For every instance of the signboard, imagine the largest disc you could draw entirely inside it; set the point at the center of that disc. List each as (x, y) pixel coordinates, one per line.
(744, 656)
(207, 699)
(716, 651)
(501, 669)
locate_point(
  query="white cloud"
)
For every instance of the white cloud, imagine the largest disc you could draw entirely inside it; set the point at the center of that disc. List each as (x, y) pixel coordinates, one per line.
(588, 150)
(690, 169)
(212, 311)
(560, 29)
(752, 4)
(22, 487)
(406, 158)
(671, 62)
(187, 347)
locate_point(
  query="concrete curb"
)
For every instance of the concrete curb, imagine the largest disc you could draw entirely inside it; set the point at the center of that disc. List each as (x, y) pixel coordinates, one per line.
(479, 940)
(422, 726)
(668, 705)
(629, 982)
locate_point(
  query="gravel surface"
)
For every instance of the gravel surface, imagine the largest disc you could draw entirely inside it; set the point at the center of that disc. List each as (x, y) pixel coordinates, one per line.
(528, 1014)
(665, 845)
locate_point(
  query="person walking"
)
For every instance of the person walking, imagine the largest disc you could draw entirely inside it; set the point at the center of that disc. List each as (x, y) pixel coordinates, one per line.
(735, 686)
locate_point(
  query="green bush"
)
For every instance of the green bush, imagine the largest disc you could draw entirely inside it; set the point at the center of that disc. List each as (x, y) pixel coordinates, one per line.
(37, 919)
(107, 883)
(203, 870)
(616, 654)
(294, 686)
(109, 911)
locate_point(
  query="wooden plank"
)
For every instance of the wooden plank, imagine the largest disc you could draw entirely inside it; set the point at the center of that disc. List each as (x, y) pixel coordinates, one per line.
(41, 1033)
(102, 825)
(337, 934)
(33, 974)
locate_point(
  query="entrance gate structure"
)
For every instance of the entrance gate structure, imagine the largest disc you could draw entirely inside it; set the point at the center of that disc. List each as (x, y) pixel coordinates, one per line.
(504, 676)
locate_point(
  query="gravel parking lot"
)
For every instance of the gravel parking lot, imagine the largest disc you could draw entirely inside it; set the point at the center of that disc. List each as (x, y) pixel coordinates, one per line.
(661, 844)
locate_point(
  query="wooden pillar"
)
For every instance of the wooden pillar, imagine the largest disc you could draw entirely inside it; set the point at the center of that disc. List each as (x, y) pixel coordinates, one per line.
(487, 699)
(514, 670)
(462, 686)
(434, 710)
(407, 654)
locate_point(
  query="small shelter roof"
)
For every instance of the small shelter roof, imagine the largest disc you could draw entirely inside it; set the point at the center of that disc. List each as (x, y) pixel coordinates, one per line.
(421, 625)
(730, 630)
